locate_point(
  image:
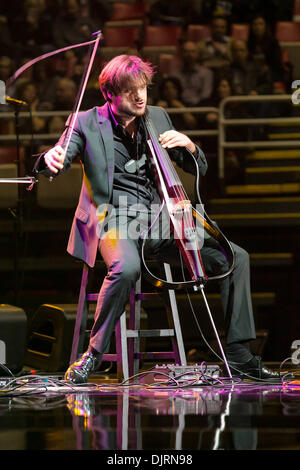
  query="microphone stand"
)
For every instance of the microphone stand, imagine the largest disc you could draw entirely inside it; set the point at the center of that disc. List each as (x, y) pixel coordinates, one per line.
(18, 213)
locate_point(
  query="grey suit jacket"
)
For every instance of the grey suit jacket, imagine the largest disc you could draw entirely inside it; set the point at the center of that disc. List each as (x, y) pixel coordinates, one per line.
(92, 140)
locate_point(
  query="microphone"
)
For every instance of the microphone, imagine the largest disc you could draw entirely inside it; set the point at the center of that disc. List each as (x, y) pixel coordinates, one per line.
(4, 99)
(14, 101)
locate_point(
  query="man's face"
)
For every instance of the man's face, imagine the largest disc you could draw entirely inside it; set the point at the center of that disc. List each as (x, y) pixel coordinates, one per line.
(239, 52)
(189, 53)
(218, 29)
(130, 103)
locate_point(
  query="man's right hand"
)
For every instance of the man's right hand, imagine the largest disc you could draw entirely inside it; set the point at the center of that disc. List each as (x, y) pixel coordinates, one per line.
(54, 158)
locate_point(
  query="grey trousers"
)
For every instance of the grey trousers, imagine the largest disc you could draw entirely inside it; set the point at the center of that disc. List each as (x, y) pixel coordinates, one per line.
(122, 256)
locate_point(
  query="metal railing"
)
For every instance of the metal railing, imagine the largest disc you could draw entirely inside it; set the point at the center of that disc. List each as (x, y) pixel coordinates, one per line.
(219, 132)
(65, 114)
(224, 122)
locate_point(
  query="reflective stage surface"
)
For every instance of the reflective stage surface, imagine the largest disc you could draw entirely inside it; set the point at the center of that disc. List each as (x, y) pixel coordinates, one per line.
(146, 413)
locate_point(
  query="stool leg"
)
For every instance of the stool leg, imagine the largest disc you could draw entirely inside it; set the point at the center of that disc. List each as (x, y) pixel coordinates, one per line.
(178, 345)
(135, 324)
(121, 348)
(81, 317)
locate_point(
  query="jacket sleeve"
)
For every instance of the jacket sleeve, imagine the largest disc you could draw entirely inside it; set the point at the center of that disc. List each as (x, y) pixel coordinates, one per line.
(75, 148)
(184, 158)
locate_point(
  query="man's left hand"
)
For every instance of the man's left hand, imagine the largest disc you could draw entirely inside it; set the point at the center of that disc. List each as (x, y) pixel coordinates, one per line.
(171, 139)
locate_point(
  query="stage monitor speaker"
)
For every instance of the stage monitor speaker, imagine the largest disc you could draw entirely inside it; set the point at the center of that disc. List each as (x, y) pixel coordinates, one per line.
(50, 337)
(13, 331)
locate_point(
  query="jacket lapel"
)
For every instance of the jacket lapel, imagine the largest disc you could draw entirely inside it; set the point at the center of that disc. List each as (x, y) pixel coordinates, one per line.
(106, 134)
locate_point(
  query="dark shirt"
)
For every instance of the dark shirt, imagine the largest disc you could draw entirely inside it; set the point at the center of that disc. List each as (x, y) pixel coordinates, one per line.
(133, 179)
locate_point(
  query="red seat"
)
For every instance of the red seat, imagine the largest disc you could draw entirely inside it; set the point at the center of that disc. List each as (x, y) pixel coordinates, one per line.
(162, 36)
(287, 31)
(296, 10)
(240, 31)
(127, 36)
(198, 32)
(129, 11)
(166, 62)
(10, 155)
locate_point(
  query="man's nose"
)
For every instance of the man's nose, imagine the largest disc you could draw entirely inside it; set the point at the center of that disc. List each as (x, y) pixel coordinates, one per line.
(138, 95)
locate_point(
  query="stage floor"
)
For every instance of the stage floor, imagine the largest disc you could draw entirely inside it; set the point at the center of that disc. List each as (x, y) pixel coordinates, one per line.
(41, 412)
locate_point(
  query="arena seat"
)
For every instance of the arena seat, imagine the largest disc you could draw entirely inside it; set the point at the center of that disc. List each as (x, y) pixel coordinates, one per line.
(162, 36)
(240, 31)
(197, 32)
(127, 36)
(296, 11)
(128, 11)
(287, 31)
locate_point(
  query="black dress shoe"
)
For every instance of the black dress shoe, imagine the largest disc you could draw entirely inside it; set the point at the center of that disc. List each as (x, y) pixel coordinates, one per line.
(79, 372)
(254, 369)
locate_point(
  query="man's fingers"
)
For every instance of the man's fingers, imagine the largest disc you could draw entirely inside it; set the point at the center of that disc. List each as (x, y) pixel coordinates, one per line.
(163, 138)
(54, 159)
(171, 142)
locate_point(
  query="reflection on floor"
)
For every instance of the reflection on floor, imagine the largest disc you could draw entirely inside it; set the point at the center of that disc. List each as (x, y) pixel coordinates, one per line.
(149, 412)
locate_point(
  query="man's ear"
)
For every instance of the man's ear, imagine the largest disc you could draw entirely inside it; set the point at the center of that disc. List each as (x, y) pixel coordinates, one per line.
(109, 97)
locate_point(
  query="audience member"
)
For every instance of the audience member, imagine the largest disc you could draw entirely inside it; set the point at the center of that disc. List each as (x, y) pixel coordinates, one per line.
(6, 43)
(247, 78)
(214, 52)
(224, 89)
(71, 28)
(170, 93)
(6, 70)
(264, 49)
(232, 110)
(174, 13)
(45, 79)
(241, 11)
(7, 125)
(27, 91)
(65, 95)
(32, 29)
(196, 80)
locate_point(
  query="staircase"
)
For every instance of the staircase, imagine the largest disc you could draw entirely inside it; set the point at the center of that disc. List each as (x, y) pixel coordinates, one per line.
(270, 194)
(263, 216)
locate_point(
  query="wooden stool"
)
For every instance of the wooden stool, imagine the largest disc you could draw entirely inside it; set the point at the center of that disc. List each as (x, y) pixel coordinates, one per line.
(128, 354)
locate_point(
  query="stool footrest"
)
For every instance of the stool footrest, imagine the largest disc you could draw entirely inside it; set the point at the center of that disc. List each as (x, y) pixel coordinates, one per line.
(147, 295)
(37, 334)
(155, 355)
(92, 297)
(149, 333)
(109, 357)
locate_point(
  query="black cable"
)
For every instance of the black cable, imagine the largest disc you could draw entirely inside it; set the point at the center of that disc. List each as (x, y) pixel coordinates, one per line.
(206, 342)
(7, 370)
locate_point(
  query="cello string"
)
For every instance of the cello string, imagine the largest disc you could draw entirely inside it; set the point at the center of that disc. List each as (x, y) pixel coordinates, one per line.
(187, 214)
(153, 135)
(186, 229)
(221, 238)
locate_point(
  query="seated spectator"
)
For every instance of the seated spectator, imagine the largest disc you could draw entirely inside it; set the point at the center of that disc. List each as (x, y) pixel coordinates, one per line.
(6, 71)
(65, 95)
(264, 49)
(7, 125)
(177, 12)
(214, 52)
(195, 79)
(170, 93)
(223, 89)
(210, 120)
(246, 77)
(71, 28)
(27, 91)
(32, 29)
(7, 46)
(45, 79)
